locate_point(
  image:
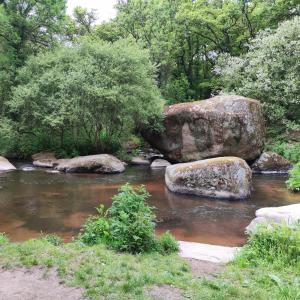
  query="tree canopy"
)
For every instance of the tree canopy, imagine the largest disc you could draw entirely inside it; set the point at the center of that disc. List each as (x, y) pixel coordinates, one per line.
(269, 71)
(92, 93)
(54, 79)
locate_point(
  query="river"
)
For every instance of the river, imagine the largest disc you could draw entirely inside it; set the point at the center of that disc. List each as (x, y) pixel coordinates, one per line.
(36, 201)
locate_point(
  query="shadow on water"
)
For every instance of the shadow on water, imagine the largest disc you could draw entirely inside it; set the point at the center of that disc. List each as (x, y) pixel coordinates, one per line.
(37, 201)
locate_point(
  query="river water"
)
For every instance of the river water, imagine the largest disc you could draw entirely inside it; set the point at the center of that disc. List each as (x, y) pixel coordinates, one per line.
(37, 201)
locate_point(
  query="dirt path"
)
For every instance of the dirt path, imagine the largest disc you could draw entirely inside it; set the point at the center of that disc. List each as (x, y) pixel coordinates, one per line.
(35, 284)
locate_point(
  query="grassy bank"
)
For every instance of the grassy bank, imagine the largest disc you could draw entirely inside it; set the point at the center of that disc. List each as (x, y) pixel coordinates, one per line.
(106, 274)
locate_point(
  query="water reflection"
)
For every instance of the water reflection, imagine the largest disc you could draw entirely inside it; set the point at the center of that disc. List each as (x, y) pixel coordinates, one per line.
(36, 201)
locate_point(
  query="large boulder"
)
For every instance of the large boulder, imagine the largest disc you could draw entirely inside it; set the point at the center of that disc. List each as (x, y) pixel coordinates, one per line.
(220, 126)
(44, 159)
(5, 165)
(222, 177)
(288, 214)
(101, 163)
(270, 162)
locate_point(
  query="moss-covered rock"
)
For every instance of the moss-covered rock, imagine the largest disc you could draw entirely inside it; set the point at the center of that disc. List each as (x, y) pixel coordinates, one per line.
(271, 162)
(222, 177)
(220, 126)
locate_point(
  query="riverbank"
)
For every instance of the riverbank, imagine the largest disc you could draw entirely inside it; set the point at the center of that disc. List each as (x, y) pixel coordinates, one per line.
(99, 273)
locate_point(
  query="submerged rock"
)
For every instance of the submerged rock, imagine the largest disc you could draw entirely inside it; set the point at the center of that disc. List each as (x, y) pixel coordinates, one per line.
(288, 214)
(220, 126)
(5, 165)
(101, 163)
(44, 159)
(270, 162)
(222, 177)
(159, 163)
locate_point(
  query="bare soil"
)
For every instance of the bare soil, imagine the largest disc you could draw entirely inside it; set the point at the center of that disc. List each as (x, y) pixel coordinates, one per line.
(35, 284)
(201, 268)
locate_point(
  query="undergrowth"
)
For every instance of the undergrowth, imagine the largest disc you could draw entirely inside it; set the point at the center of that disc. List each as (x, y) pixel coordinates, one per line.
(128, 226)
(293, 183)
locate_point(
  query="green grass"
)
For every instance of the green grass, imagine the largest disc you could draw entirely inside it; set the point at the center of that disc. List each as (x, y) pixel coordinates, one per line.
(293, 183)
(106, 274)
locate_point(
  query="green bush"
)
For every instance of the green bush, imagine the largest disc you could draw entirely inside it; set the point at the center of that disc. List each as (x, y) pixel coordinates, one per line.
(132, 221)
(128, 226)
(3, 239)
(96, 229)
(276, 244)
(167, 244)
(293, 183)
(290, 151)
(53, 239)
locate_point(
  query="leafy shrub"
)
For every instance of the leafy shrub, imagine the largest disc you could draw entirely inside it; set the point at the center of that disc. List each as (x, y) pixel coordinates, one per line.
(127, 156)
(96, 229)
(53, 239)
(3, 239)
(167, 244)
(269, 72)
(128, 225)
(290, 151)
(293, 183)
(278, 244)
(132, 221)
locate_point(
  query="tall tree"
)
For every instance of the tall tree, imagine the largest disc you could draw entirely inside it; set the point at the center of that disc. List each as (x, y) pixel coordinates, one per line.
(185, 37)
(26, 27)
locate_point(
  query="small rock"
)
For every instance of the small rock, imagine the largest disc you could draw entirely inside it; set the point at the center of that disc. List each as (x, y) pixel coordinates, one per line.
(160, 163)
(101, 163)
(44, 163)
(28, 169)
(222, 177)
(288, 214)
(43, 155)
(270, 162)
(140, 160)
(44, 159)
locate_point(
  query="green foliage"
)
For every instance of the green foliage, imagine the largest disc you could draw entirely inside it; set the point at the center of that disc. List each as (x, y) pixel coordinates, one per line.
(184, 37)
(26, 27)
(132, 221)
(96, 229)
(276, 244)
(293, 183)
(89, 96)
(3, 239)
(125, 155)
(128, 226)
(81, 24)
(7, 136)
(269, 72)
(167, 244)
(53, 239)
(290, 151)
